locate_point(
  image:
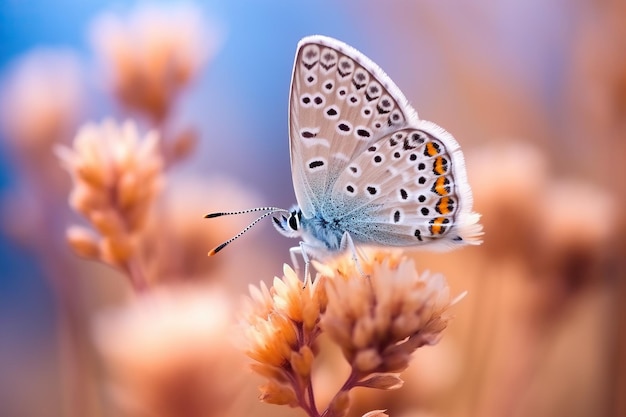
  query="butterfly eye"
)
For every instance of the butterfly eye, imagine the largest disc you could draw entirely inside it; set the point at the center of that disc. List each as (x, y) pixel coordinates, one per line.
(294, 224)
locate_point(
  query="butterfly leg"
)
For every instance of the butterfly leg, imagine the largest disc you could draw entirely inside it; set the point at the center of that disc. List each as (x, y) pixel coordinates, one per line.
(300, 250)
(348, 243)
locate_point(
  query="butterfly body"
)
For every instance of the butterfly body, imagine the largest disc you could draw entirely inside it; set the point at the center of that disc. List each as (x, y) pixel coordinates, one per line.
(366, 170)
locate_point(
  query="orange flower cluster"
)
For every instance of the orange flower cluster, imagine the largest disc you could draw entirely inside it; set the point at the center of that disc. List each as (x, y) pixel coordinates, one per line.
(116, 178)
(281, 326)
(377, 320)
(152, 53)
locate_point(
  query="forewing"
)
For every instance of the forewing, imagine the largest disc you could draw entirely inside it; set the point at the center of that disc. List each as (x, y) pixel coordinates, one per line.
(340, 103)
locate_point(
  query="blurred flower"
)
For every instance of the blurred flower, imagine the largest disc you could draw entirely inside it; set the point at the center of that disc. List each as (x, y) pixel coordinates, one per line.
(508, 180)
(576, 226)
(577, 214)
(166, 353)
(153, 52)
(41, 99)
(116, 178)
(379, 320)
(280, 327)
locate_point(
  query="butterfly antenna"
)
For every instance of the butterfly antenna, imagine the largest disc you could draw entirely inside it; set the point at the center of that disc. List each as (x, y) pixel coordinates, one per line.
(248, 227)
(229, 213)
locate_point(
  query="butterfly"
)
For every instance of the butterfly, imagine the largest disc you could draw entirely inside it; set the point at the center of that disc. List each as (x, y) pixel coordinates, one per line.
(366, 170)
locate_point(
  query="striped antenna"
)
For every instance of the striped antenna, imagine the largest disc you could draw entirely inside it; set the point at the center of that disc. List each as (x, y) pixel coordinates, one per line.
(229, 213)
(272, 210)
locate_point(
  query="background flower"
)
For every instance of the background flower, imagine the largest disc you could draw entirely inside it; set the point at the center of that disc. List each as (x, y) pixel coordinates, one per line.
(165, 354)
(153, 52)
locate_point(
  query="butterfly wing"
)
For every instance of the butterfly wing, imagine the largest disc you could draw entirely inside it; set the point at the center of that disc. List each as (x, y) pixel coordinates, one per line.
(340, 103)
(409, 188)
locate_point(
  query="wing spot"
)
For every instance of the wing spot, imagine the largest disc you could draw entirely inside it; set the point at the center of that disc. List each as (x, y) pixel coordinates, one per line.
(445, 205)
(316, 164)
(346, 66)
(307, 134)
(421, 198)
(332, 113)
(364, 133)
(344, 127)
(441, 186)
(425, 211)
(412, 157)
(378, 159)
(417, 138)
(432, 149)
(440, 166)
(438, 225)
(372, 190)
(418, 235)
(360, 78)
(329, 59)
(396, 216)
(421, 180)
(421, 166)
(407, 145)
(403, 194)
(373, 91)
(309, 56)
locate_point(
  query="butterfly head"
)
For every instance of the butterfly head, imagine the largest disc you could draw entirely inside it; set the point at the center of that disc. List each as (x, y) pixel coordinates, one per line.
(289, 224)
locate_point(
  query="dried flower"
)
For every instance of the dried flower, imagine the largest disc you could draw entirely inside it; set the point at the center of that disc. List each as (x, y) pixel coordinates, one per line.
(281, 326)
(512, 193)
(153, 52)
(379, 320)
(166, 355)
(116, 178)
(41, 99)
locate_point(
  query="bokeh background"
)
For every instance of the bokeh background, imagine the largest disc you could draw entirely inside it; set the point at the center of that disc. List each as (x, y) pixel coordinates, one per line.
(534, 91)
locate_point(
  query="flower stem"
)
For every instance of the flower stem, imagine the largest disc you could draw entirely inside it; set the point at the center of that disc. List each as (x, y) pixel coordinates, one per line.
(136, 275)
(347, 386)
(309, 389)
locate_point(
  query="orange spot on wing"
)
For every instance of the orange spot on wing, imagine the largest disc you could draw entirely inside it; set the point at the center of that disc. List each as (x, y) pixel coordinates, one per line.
(441, 186)
(431, 149)
(439, 167)
(438, 225)
(445, 205)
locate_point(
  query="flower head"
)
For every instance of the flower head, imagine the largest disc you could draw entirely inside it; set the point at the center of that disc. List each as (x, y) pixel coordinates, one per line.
(116, 178)
(41, 99)
(153, 52)
(165, 353)
(280, 327)
(380, 319)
